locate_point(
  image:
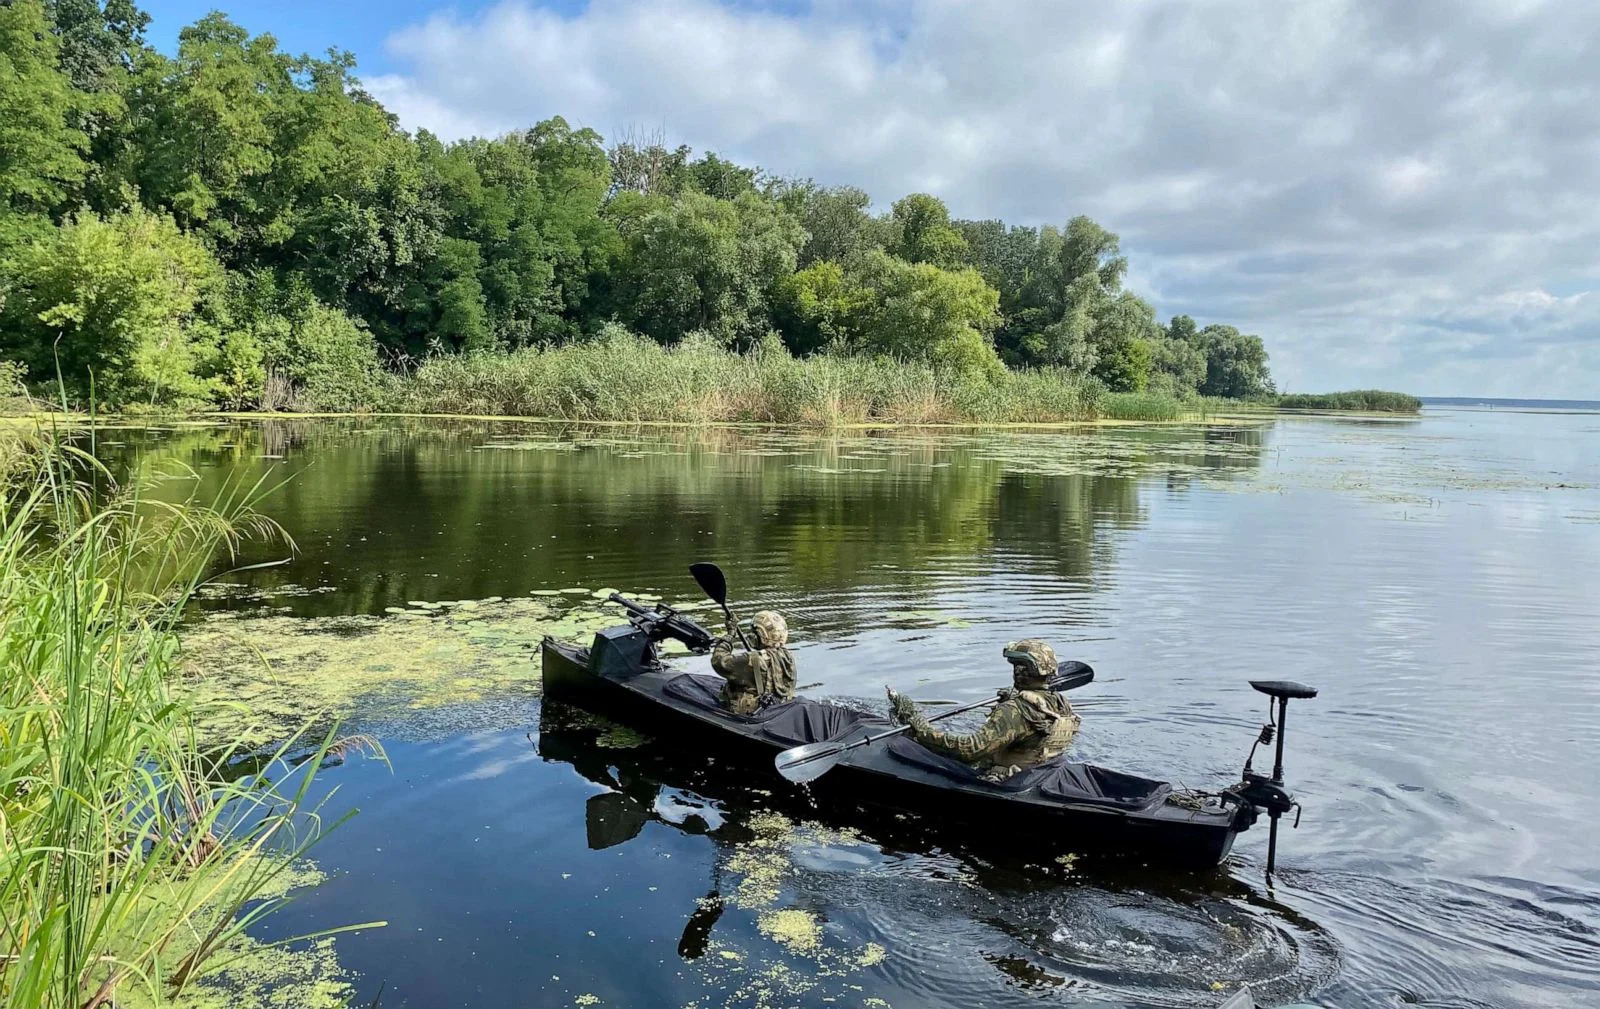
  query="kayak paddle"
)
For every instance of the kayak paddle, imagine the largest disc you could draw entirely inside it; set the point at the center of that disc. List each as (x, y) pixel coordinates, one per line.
(715, 584)
(812, 760)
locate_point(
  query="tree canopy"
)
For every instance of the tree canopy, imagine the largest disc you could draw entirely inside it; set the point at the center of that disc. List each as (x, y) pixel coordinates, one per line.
(238, 224)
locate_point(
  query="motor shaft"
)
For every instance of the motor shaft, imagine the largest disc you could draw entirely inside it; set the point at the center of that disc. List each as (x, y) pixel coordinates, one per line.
(1277, 763)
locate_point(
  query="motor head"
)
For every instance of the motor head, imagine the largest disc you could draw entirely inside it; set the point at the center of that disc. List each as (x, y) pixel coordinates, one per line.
(771, 629)
(1284, 690)
(1033, 662)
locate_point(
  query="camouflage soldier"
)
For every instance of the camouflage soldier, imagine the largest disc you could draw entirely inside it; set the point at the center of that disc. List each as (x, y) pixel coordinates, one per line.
(761, 674)
(1029, 726)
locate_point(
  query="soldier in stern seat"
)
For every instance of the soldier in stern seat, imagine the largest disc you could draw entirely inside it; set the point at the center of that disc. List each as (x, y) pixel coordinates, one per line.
(1030, 725)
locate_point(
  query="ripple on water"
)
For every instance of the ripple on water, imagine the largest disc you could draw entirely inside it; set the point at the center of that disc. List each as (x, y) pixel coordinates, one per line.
(1498, 941)
(960, 932)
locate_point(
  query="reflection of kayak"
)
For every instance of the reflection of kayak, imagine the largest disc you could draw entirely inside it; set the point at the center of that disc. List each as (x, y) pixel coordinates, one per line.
(1072, 807)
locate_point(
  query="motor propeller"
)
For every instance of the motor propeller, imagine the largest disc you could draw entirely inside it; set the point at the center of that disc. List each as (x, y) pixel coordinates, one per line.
(1260, 790)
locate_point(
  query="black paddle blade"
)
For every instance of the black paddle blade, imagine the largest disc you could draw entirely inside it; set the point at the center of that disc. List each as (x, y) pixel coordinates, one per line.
(1071, 675)
(712, 581)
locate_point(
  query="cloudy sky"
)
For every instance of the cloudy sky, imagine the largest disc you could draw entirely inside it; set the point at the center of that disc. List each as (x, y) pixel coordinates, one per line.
(1404, 195)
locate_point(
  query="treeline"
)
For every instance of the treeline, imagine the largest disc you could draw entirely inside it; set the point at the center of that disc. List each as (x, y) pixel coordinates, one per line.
(240, 227)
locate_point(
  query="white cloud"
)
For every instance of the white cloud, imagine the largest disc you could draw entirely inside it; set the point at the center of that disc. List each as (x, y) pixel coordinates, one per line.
(1357, 180)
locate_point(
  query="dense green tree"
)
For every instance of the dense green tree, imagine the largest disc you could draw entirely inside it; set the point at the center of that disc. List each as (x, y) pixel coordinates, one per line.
(99, 40)
(42, 144)
(206, 130)
(100, 44)
(920, 312)
(445, 305)
(699, 263)
(317, 358)
(574, 180)
(924, 232)
(285, 164)
(819, 308)
(1123, 332)
(1007, 257)
(1090, 253)
(723, 179)
(1064, 290)
(1236, 363)
(1177, 367)
(836, 220)
(1182, 328)
(127, 307)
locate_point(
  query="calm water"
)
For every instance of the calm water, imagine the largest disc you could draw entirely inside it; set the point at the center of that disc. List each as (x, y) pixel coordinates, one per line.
(1438, 579)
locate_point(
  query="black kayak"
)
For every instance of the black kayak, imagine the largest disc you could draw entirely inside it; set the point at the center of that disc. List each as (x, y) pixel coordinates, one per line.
(1064, 806)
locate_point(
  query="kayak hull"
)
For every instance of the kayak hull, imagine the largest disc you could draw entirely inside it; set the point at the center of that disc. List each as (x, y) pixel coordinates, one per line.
(619, 676)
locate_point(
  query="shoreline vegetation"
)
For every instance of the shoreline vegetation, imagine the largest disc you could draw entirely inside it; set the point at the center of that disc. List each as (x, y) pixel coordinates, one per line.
(1356, 400)
(299, 251)
(624, 378)
(134, 850)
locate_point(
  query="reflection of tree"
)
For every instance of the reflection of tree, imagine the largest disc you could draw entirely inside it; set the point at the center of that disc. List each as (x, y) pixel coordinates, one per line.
(393, 510)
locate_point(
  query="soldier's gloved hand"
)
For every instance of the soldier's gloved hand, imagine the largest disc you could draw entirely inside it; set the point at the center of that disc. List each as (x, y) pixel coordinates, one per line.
(902, 707)
(1005, 694)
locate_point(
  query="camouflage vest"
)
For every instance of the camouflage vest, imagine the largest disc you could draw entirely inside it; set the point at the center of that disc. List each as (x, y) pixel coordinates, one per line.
(1053, 723)
(754, 676)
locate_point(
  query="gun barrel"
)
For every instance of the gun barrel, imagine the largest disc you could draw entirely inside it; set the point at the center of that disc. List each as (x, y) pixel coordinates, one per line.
(626, 603)
(664, 621)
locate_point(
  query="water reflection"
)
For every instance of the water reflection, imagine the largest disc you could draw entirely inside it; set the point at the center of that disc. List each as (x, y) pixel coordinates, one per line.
(393, 511)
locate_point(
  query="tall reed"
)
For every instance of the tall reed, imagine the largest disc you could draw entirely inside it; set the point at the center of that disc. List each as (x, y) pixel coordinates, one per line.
(126, 852)
(1371, 400)
(622, 377)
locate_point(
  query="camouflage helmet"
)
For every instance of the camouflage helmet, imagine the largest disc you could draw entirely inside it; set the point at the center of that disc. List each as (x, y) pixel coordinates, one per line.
(770, 629)
(1032, 660)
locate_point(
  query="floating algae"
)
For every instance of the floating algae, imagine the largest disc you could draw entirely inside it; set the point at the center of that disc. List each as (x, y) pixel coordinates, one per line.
(797, 930)
(259, 678)
(804, 964)
(253, 974)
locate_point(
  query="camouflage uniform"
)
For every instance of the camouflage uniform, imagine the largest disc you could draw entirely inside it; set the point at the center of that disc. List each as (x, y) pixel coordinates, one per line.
(1029, 726)
(764, 673)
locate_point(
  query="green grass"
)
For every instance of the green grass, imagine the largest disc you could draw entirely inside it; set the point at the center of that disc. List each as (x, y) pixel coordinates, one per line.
(627, 378)
(1370, 400)
(1142, 406)
(131, 856)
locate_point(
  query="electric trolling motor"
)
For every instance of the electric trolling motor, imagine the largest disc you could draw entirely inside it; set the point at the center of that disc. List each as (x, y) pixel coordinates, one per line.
(1259, 790)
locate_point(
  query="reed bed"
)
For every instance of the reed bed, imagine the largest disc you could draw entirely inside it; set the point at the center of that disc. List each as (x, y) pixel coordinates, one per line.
(622, 377)
(132, 854)
(1143, 406)
(1368, 400)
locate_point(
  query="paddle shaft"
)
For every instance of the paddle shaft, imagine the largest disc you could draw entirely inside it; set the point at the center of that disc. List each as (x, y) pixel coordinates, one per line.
(736, 628)
(843, 747)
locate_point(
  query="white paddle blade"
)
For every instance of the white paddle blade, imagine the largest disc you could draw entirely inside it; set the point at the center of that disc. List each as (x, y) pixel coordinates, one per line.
(808, 762)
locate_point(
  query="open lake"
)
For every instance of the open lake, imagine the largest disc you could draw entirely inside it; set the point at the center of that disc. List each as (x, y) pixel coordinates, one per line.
(1437, 578)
